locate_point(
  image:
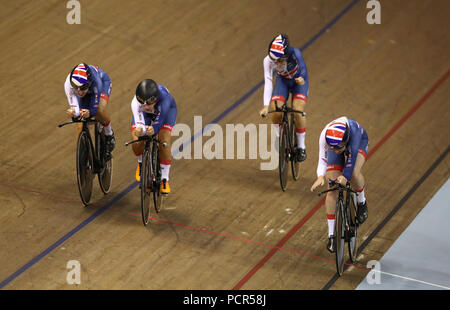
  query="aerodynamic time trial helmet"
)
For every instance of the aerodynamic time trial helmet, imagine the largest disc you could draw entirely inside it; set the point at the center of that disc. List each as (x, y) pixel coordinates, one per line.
(278, 47)
(337, 134)
(147, 92)
(81, 77)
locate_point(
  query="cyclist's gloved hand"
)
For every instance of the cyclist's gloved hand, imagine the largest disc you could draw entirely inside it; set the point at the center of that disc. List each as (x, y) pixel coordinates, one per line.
(138, 131)
(150, 130)
(70, 113)
(342, 180)
(300, 80)
(264, 111)
(85, 113)
(319, 182)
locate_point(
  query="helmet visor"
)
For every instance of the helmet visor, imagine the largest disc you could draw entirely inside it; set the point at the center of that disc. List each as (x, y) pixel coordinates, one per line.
(150, 101)
(338, 147)
(82, 87)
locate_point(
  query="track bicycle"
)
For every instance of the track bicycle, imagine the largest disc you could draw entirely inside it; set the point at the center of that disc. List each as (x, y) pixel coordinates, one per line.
(91, 158)
(287, 144)
(150, 176)
(346, 223)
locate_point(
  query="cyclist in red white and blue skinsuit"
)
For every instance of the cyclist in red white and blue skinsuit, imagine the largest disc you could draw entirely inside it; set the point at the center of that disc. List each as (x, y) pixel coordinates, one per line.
(292, 77)
(343, 146)
(88, 89)
(154, 113)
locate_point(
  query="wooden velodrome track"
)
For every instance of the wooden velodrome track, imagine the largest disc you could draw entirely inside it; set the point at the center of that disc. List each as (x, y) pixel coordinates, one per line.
(227, 224)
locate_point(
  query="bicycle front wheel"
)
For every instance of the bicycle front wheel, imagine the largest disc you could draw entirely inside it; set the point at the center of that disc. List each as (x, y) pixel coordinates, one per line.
(85, 167)
(146, 184)
(283, 155)
(353, 229)
(339, 228)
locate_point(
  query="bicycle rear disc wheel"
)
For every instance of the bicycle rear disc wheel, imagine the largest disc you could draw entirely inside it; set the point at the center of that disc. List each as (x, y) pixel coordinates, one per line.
(295, 165)
(157, 196)
(283, 155)
(105, 176)
(353, 228)
(85, 167)
(339, 228)
(146, 183)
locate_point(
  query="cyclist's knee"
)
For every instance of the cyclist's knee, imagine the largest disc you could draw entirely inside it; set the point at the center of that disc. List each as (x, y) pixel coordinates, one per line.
(299, 104)
(79, 128)
(332, 195)
(358, 178)
(101, 116)
(138, 148)
(276, 118)
(164, 135)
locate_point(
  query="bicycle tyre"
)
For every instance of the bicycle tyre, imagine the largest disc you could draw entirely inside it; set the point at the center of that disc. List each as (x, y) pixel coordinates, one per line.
(352, 244)
(283, 155)
(339, 228)
(85, 167)
(157, 196)
(105, 175)
(146, 186)
(295, 165)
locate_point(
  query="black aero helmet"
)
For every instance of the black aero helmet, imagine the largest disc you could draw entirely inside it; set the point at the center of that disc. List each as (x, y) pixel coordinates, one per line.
(147, 92)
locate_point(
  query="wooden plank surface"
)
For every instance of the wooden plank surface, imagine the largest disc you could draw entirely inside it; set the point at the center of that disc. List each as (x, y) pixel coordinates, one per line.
(223, 217)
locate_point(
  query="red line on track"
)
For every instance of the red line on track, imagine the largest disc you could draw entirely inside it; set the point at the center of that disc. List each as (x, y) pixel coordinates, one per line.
(321, 202)
(410, 113)
(246, 240)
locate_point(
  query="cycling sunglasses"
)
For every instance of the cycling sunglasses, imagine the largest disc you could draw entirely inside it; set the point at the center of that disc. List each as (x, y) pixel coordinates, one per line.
(337, 147)
(281, 59)
(83, 87)
(150, 101)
